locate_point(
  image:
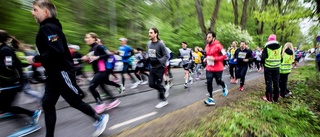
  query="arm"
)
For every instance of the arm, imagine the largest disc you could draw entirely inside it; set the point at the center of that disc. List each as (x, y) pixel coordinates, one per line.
(165, 56)
(223, 54)
(264, 55)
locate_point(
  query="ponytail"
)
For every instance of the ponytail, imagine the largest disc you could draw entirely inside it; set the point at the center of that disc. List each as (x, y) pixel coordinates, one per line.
(6, 37)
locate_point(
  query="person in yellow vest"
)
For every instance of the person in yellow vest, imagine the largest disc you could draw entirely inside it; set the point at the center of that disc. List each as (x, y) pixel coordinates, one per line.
(285, 68)
(271, 58)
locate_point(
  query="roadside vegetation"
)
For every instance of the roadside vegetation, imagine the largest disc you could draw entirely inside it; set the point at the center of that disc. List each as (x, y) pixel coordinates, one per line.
(297, 115)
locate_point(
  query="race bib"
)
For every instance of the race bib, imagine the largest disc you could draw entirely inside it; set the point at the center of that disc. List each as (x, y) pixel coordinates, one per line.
(8, 61)
(152, 53)
(185, 58)
(242, 55)
(110, 60)
(75, 61)
(210, 62)
(121, 53)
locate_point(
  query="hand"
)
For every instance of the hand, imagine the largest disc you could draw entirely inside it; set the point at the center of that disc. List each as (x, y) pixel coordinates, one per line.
(85, 58)
(93, 58)
(245, 60)
(234, 60)
(30, 59)
(210, 58)
(205, 60)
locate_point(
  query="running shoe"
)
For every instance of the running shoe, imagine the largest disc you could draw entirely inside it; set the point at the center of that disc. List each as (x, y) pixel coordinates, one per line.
(185, 85)
(35, 117)
(113, 104)
(4, 115)
(101, 125)
(241, 88)
(100, 108)
(120, 89)
(209, 101)
(135, 85)
(144, 82)
(232, 80)
(288, 94)
(225, 90)
(236, 81)
(116, 80)
(162, 104)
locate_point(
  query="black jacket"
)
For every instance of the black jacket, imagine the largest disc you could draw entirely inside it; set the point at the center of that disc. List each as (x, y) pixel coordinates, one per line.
(101, 51)
(52, 45)
(10, 67)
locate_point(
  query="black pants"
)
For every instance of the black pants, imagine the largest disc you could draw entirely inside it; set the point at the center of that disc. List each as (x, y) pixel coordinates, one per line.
(217, 76)
(271, 77)
(232, 70)
(99, 79)
(6, 99)
(125, 69)
(138, 71)
(258, 64)
(63, 84)
(283, 84)
(155, 81)
(241, 73)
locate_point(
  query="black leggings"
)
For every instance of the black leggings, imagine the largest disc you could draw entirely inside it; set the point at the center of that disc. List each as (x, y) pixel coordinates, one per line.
(126, 66)
(232, 70)
(241, 73)
(141, 71)
(6, 99)
(99, 79)
(217, 76)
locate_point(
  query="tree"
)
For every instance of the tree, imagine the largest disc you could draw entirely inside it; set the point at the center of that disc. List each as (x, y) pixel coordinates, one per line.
(244, 15)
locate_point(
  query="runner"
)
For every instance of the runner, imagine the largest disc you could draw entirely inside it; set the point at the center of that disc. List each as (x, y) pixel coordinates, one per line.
(140, 66)
(258, 53)
(77, 64)
(285, 69)
(271, 58)
(186, 55)
(232, 63)
(126, 52)
(242, 56)
(166, 76)
(97, 56)
(215, 56)
(11, 81)
(56, 59)
(158, 57)
(197, 55)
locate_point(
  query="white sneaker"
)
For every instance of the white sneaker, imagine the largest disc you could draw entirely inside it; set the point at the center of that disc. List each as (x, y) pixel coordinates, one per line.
(167, 87)
(162, 104)
(144, 82)
(135, 85)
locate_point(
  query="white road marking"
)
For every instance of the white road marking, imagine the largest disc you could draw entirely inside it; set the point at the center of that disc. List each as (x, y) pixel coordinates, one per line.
(132, 120)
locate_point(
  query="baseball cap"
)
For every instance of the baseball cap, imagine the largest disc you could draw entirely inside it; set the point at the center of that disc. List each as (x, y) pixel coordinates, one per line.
(123, 39)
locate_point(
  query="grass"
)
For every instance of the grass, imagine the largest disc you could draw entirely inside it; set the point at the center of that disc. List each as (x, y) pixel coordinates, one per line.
(251, 116)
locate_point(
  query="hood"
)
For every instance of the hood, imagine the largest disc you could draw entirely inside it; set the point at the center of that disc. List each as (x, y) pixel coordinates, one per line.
(289, 51)
(53, 21)
(272, 44)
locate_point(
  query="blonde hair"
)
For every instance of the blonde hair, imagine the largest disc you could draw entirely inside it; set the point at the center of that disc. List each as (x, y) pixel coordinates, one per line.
(287, 45)
(197, 48)
(93, 35)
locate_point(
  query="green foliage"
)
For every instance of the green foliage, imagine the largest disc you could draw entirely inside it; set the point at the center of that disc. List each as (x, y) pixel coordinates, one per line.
(227, 33)
(254, 117)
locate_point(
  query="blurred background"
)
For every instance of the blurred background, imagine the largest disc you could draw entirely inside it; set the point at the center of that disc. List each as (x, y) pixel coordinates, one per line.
(177, 20)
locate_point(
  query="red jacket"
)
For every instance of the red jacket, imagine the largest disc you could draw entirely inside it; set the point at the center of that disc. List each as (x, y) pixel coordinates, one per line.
(214, 49)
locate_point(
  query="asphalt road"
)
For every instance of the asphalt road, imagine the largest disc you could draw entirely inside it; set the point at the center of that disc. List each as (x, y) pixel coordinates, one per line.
(137, 107)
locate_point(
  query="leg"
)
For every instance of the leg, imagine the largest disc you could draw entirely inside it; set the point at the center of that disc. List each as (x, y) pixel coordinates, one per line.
(243, 73)
(282, 85)
(275, 80)
(94, 83)
(209, 76)
(136, 72)
(268, 81)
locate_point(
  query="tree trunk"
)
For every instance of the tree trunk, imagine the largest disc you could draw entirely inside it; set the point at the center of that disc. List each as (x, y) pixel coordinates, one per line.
(200, 18)
(215, 15)
(235, 12)
(244, 15)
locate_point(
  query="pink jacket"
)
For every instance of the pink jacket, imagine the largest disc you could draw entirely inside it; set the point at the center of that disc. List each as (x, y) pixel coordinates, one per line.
(214, 49)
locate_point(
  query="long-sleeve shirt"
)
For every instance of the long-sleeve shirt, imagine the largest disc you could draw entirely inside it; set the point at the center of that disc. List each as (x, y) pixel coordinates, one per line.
(157, 54)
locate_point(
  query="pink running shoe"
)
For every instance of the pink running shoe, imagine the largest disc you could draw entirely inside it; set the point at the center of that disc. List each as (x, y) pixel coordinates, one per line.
(116, 80)
(113, 104)
(100, 108)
